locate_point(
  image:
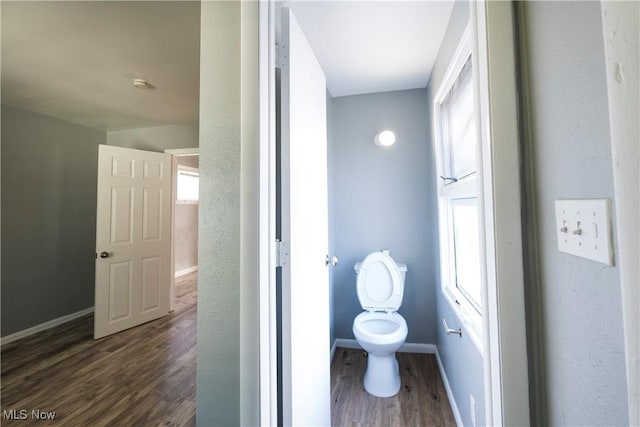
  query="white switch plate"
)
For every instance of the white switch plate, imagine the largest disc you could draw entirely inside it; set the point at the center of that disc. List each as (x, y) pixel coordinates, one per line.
(583, 227)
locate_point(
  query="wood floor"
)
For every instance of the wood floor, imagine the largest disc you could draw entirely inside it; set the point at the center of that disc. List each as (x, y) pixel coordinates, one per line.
(422, 400)
(145, 376)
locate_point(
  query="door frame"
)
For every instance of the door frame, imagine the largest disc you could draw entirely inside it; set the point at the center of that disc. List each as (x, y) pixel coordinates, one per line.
(505, 367)
(506, 379)
(175, 153)
(268, 338)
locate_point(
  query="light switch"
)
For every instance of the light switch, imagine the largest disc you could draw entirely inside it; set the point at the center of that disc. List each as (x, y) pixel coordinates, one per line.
(583, 227)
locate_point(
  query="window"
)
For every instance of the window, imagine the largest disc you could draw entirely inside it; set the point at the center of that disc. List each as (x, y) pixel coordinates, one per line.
(456, 140)
(188, 183)
(464, 218)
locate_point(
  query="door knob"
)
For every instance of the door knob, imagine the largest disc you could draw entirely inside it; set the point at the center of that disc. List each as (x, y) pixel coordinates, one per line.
(104, 254)
(331, 260)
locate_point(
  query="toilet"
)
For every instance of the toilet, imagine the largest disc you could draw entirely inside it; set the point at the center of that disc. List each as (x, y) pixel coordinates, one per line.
(380, 330)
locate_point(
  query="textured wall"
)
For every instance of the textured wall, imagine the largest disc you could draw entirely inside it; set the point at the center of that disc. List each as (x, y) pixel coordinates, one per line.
(218, 374)
(581, 302)
(462, 361)
(621, 22)
(157, 138)
(383, 199)
(49, 179)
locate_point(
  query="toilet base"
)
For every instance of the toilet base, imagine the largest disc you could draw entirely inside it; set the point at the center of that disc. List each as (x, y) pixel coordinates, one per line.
(382, 378)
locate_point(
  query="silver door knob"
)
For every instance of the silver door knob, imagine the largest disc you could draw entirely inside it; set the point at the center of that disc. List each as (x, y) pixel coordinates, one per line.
(331, 260)
(104, 254)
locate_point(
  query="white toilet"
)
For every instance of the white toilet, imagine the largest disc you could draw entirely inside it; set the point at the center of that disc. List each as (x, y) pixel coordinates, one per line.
(379, 329)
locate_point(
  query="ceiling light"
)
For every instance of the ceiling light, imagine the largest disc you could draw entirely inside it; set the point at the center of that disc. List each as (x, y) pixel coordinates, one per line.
(142, 84)
(386, 138)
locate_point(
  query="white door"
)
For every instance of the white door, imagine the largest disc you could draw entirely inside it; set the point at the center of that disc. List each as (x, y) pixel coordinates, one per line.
(305, 278)
(132, 238)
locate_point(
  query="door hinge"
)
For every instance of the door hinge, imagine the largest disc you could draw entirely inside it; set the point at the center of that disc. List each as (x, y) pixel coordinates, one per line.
(282, 56)
(282, 253)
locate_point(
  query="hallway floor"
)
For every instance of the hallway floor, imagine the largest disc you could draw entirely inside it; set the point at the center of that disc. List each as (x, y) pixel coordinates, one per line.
(422, 400)
(142, 376)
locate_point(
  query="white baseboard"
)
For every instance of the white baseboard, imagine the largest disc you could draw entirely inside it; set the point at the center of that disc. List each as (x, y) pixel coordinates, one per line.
(406, 347)
(186, 271)
(333, 349)
(44, 326)
(447, 387)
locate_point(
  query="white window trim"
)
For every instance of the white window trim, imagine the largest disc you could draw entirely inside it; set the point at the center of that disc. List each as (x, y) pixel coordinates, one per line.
(191, 170)
(467, 186)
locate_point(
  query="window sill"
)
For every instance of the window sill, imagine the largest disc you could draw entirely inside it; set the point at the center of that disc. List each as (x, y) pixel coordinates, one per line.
(470, 320)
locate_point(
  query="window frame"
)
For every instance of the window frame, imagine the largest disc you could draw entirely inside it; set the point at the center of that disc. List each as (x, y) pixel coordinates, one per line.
(191, 171)
(466, 186)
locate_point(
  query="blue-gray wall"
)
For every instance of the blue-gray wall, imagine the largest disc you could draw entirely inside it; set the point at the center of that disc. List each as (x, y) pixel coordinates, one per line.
(463, 362)
(570, 144)
(383, 198)
(49, 179)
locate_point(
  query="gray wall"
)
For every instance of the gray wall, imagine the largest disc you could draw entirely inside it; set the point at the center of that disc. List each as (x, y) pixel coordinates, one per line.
(250, 210)
(383, 198)
(186, 227)
(580, 299)
(218, 374)
(462, 361)
(157, 138)
(49, 178)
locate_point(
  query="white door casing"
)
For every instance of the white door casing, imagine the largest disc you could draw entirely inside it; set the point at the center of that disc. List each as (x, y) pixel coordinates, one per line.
(132, 238)
(505, 361)
(305, 277)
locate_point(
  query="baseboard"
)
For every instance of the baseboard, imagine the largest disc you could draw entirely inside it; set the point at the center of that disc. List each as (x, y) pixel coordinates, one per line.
(406, 347)
(186, 271)
(333, 349)
(447, 387)
(418, 348)
(345, 343)
(44, 326)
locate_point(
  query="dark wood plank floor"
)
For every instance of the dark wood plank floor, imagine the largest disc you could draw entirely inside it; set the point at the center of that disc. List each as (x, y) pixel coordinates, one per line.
(143, 376)
(422, 400)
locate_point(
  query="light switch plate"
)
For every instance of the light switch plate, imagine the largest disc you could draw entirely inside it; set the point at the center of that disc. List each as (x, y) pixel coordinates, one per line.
(583, 227)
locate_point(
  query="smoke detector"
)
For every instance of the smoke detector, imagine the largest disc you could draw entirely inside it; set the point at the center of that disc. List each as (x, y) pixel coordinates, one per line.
(142, 84)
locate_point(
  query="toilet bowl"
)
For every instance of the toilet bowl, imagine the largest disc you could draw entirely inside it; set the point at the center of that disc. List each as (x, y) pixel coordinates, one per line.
(379, 329)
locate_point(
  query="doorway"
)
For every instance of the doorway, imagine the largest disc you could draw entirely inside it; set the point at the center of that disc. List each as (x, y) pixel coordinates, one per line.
(184, 218)
(506, 396)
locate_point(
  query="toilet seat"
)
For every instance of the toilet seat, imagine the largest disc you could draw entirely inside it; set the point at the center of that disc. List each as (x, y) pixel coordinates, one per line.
(380, 328)
(379, 285)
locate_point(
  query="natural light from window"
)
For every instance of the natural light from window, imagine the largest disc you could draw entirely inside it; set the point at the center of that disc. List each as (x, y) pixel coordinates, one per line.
(456, 139)
(188, 185)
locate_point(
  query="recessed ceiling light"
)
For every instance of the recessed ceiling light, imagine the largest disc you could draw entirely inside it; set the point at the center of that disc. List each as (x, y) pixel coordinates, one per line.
(142, 84)
(385, 138)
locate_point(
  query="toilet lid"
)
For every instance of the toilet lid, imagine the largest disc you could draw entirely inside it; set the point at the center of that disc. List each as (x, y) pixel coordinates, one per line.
(379, 284)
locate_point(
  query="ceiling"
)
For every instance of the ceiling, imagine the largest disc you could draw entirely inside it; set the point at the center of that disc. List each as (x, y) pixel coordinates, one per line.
(379, 46)
(76, 60)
